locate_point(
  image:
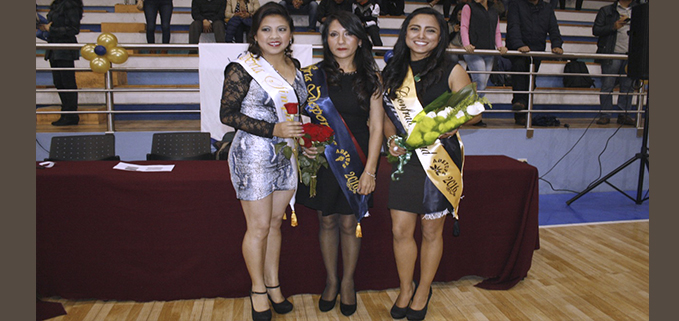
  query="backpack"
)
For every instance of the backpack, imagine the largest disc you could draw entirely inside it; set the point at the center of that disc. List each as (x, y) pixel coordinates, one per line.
(577, 67)
(501, 64)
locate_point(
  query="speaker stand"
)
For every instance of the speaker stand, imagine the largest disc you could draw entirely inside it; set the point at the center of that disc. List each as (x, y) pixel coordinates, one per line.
(642, 156)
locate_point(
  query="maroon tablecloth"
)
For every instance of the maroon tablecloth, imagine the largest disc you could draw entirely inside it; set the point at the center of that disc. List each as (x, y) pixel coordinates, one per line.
(111, 234)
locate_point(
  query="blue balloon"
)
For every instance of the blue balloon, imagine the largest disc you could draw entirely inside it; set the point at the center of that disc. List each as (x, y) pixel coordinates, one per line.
(100, 50)
(388, 55)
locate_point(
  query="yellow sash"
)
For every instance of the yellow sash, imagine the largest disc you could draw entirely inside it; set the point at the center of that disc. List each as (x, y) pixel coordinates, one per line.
(435, 160)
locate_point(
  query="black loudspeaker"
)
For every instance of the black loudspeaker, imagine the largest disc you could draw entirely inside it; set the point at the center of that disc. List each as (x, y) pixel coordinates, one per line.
(638, 43)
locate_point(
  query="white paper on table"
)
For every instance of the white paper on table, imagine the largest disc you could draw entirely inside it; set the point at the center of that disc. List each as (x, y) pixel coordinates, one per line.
(143, 168)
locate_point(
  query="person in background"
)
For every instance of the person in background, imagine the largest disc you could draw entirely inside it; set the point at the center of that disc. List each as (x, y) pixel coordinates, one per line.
(446, 6)
(562, 3)
(208, 17)
(238, 16)
(392, 7)
(455, 24)
(328, 7)
(151, 10)
(529, 22)
(352, 107)
(480, 29)
(63, 24)
(368, 11)
(611, 25)
(256, 87)
(419, 60)
(40, 21)
(308, 7)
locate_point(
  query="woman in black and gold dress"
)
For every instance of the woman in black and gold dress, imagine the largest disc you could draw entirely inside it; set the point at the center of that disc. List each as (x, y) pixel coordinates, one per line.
(420, 59)
(352, 105)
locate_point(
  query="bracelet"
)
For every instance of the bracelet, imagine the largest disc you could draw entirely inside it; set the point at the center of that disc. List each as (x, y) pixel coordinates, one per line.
(390, 139)
(370, 174)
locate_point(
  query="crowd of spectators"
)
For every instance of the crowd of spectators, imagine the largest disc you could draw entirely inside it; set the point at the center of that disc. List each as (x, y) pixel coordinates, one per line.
(529, 24)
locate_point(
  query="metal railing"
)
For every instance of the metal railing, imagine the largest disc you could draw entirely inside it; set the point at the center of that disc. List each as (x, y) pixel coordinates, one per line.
(109, 91)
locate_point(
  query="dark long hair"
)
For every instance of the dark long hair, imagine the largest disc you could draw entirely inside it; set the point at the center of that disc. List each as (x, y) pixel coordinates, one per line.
(366, 82)
(397, 67)
(269, 9)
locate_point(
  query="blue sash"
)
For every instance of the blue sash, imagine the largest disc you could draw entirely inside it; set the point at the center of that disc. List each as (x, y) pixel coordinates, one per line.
(343, 157)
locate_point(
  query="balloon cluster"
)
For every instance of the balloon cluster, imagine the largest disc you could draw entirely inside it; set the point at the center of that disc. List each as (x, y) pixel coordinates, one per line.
(105, 52)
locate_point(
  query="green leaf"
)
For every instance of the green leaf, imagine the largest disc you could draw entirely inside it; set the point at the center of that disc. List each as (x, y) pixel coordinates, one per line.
(287, 151)
(306, 178)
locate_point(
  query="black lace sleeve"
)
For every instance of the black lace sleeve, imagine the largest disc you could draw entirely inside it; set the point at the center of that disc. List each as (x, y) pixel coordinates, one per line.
(236, 86)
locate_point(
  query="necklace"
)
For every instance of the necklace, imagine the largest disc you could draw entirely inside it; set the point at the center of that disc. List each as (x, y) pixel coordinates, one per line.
(417, 78)
(348, 73)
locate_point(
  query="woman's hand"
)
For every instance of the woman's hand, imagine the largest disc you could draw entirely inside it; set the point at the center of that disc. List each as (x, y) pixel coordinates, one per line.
(502, 50)
(366, 184)
(469, 48)
(310, 152)
(395, 150)
(288, 129)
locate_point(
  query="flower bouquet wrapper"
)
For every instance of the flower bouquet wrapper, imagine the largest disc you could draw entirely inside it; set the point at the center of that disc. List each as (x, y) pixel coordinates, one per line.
(446, 113)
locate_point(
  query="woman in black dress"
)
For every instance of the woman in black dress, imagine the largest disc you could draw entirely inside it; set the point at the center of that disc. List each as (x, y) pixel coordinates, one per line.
(354, 92)
(420, 48)
(63, 24)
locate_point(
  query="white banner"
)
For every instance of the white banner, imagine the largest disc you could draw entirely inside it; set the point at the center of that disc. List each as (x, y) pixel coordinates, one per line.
(211, 63)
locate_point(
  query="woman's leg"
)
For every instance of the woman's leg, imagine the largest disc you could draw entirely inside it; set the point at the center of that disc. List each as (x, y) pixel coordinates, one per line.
(258, 220)
(430, 257)
(273, 243)
(150, 12)
(165, 17)
(329, 238)
(351, 246)
(405, 252)
(483, 78)
(65, 79)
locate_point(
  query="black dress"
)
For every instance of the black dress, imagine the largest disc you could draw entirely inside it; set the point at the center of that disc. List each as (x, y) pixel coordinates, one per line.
(407, 193)
(329, 197)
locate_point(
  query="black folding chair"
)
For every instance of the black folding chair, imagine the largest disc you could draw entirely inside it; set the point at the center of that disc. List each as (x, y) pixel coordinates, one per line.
(181, 146)
(83, 148)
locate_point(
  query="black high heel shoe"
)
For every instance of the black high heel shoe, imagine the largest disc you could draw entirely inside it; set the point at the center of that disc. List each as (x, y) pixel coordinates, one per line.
(349, 309)
(256, 315)
(326, 306)
(418, 315)
(398, 312)
(282, 307)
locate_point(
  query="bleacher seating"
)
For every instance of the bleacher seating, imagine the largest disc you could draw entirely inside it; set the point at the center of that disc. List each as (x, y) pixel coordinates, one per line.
(127, 23)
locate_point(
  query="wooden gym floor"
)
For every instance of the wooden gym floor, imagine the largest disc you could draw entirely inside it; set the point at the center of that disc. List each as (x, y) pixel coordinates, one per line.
(581, 272)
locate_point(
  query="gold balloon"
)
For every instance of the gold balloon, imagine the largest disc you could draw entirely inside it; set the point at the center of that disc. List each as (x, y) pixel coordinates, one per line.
(117, 55)
(107, 40)
(100, 65)
(87, 51)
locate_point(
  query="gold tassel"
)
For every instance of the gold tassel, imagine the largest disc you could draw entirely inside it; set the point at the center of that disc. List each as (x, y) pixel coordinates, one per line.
(293, 219)
(359, 234)
(285, 216)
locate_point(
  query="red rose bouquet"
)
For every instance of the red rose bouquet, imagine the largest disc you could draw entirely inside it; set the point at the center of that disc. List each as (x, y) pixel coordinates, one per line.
(315, 135)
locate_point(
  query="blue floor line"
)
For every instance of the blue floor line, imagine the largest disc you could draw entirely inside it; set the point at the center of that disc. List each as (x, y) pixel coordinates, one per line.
(593, 207)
